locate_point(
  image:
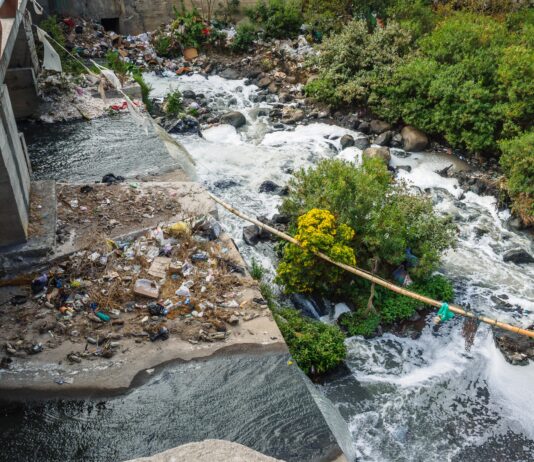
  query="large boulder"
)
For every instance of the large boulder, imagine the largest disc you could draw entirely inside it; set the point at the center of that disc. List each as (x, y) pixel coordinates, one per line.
(234, 118)
(379, 126)
(230, 74)
(518, 256)
(346, 141)
(378, 153)
(413, 139)
(269, 187)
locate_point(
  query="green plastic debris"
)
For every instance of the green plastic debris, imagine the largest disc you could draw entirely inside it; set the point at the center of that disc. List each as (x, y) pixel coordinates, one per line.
(444, 313)
(103, 316)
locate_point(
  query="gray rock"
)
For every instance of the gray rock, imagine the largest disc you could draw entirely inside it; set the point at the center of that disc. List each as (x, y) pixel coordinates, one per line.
(269, 186)
(251, 235)
(383, 139)
(407, 168)
(362, 143)
(346, 141)
(396, 141)
(518, 256)
(230, 74)
(379, 126)
(364, 127)
(291, 115)
(188, 94)
(234, 118)
(516, 349)
(414, 139)
(378, 153)
(265, 82)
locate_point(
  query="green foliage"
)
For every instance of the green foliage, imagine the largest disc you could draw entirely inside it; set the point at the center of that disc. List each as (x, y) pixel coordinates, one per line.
(471, 82)
(352, 63)
(317, 347)
(226, 10)
(245, 36)
(358, 323)
(414, 15)
(300, 271)
(256, 270)
(189, 29)
(386, 218)
(394, 307)
(164, 46)
(172, 104)
(277, 18)
(517, 162)
(328, 16)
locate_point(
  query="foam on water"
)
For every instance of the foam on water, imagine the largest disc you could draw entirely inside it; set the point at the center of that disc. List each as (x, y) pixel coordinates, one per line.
(415, 400)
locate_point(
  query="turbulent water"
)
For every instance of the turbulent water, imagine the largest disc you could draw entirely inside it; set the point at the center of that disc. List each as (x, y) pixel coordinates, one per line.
(403, 399)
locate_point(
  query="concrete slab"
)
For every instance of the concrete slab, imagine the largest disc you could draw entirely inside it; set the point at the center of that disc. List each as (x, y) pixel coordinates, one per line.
(42, 225)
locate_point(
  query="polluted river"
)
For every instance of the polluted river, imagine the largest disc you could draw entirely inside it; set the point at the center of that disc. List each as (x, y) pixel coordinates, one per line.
(398, 398)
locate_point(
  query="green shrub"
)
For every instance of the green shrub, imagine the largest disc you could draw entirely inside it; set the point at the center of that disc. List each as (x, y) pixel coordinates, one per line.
(172, 104)
(315, 346)
(300, 271)
(163, 46)
(245, 36)
(352, 63)
(394, 307)
(277, 18)
(256, 270)
(386, 218)
(359, 323)
(517, 162)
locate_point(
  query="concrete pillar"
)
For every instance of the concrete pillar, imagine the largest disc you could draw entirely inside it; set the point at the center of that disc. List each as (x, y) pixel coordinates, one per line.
(14, 177)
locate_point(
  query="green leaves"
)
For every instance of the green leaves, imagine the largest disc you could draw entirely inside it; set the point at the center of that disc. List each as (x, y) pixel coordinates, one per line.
(317, 347)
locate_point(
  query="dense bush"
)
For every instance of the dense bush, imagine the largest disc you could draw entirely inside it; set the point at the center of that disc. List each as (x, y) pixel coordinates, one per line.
(360, 323)
(300, 271)
(277, 18)
(173, 103)
(244, 37)
(471, 82)
(517, 162)
(385, 217)
(317, 347)
(354, 62)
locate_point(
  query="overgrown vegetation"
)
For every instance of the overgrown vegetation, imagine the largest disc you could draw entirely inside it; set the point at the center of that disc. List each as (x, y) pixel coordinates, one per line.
(173, 103)
(244, 38)
(461, 70)
(350, 212)
(277, 18)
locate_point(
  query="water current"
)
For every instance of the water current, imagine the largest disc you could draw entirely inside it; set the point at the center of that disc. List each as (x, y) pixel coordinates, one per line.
(403, 400)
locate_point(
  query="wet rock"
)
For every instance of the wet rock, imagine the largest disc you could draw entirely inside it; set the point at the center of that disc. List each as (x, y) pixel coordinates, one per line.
(378, 153)
(414, 139)
(281, 219)
(225, 184)
(364, 127)
(230, 74)
(110, 178)
(291, 115)
(518, 256)
(264, 82)
(407, 168)
(396, 141)
(378, 126)
(251, 234)
(362, 143)
(384, 138)
(516, 349)
(185, 125)
(273, 88)
(285, 97)
(346, 141)
(269, 186)
(188, 94)
(234, 118)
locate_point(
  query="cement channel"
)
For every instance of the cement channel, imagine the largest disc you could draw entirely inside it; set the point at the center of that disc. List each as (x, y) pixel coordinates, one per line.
(401, 398)
(249, 395)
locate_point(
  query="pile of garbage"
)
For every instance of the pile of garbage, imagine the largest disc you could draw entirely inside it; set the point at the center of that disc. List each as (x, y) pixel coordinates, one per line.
(179, 280)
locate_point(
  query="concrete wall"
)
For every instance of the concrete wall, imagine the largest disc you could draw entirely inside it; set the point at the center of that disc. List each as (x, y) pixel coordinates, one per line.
(135, 16)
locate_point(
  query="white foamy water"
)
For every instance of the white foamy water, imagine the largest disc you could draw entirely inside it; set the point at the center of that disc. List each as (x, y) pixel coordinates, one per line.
(405, 400)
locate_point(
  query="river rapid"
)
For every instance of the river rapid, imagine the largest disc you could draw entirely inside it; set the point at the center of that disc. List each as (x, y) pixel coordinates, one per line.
(403, 399)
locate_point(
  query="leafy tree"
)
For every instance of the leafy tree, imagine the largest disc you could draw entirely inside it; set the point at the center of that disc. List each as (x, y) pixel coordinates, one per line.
(387, 219)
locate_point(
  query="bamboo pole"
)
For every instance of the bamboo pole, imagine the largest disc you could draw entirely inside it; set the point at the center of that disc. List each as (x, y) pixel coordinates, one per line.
(375, 279)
